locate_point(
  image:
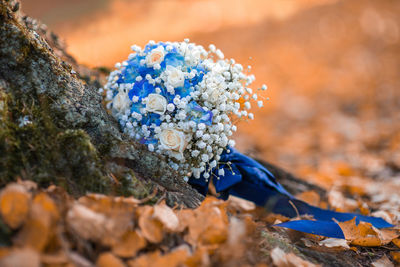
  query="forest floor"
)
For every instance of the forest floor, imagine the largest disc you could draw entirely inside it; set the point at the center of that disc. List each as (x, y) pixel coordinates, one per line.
(333, 119)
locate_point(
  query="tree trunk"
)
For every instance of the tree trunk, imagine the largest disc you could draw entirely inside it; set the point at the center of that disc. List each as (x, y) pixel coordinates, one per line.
(54, 128)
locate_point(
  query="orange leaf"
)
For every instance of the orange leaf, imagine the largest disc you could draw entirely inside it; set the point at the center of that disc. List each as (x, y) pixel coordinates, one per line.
(37, 230)
(14, 205)
(363, 234)
(200, 257)
(47, 204)
(311, 197)
(152, 228)
(396, 241)
(172, 259)
(129, 245)
(395, 255)
(108, 259)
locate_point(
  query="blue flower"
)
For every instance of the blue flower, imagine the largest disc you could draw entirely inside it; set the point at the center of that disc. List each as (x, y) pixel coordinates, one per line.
(141, 89)
(198, 114)
(173, 59)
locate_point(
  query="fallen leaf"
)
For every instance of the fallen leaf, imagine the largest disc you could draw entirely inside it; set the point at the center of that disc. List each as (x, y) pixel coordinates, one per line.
(47, 204)
(387, 235)
(37, 230)
(14, 205)
(130, 243)
(107, 259)
(362, 234)
(145, 260)
(166, 216)
(334, 243)
(383, 262)
(395, 255)
(210, 226)
(341, 203)
(310, 197)
(384, 215)
(173, 259)
(55, 259)
(152, 228)
(396, 241)
(282, 259)
(21, 257)
(241, 204)
(95, 226)
(200, 257)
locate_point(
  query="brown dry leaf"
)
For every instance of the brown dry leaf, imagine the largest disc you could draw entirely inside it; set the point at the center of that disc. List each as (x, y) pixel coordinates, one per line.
(334, 243)
(166, 216)
(396, 241)
(55, 259)
(130, 243)
(152, 228)
(38, 229)
(40, 225)
(186, 217)
(282, 259)
(4, 251)
(241, 204)
(395, 255)
(341, 203)
(362, 234)
(273, 218)
(107, 259)
(96, 226)
(383, 262)
(21, 258)
(109, 205)
(47, 205)
(208, 224)
(310, 197)
(387, 235)
(173, 259)
(146, 260)
(14, 205)
(200, 257)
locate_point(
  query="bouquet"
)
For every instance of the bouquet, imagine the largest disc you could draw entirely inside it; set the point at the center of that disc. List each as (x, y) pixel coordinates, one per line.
(182, 101)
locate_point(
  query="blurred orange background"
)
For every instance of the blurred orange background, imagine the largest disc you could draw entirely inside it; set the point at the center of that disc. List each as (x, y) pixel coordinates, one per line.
(332, 67)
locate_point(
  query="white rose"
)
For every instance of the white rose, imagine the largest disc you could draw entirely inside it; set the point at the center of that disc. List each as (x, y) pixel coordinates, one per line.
(174, 140)
(175, 77)
(121, 102)
(156, 103)
(156, 56)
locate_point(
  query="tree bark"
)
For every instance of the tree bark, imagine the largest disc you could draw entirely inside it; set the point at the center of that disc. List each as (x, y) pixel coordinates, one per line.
(54, 128)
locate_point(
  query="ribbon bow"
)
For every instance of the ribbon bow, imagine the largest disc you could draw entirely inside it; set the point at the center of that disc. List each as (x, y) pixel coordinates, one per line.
(248, 179)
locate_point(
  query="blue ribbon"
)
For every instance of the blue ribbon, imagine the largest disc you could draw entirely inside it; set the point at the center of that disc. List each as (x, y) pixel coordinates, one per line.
(248, 179)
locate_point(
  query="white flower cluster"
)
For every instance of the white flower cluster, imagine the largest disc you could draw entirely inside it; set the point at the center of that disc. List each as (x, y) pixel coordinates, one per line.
(181, 100)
